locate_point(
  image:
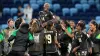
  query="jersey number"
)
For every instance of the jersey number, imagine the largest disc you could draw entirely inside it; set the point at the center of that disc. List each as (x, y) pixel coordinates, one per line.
(48, 38)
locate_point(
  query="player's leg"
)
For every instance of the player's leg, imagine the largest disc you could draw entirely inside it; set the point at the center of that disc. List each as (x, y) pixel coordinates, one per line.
(12, 53)
(20, 53)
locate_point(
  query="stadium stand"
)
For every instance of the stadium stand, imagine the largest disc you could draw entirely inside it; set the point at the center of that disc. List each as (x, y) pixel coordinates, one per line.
(66, 9)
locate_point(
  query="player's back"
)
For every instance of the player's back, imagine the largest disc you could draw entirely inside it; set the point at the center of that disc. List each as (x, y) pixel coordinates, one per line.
(50, 41)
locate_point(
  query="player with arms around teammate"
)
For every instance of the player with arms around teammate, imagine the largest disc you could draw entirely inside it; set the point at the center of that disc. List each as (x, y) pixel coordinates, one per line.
(37, 48)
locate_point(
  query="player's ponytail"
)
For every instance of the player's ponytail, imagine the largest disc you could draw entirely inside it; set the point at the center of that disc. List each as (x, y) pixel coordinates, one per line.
(49, 25)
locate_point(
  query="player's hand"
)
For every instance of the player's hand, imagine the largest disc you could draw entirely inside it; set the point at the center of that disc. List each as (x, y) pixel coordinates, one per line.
(59, 46)
(74, 50)
(90, 50)
(44, 24)
(63, 27)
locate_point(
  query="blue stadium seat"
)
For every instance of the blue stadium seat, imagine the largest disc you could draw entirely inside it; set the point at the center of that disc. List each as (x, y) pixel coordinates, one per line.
(98, 7)
(15, 1)
(3, 26)
(35, 6)
(85, 7)
(73, 1)
(6, 11)
(13, 11)
(73, 11)
(48, 1)
(33, 1)
(56, 7)
(83, 1)
(98, 21)
(40, 2)
(98, 18)
(15, 18)
(97, 1)
(24, 1)
(25, 5)
(91, 2)
(18, 1)
(65, 11)
(78, 6)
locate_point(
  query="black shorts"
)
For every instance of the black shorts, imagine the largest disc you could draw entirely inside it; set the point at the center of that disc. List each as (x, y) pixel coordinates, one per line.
(35, 54)
(64, 47)
(16, 53)
(52, 54)
(95, 54)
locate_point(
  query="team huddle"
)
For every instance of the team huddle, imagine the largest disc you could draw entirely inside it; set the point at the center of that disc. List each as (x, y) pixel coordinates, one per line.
(49, 36)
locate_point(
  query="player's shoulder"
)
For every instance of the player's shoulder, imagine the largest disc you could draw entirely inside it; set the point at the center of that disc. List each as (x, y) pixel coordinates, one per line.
(50, 31)
(41, 12)
(50, 12)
